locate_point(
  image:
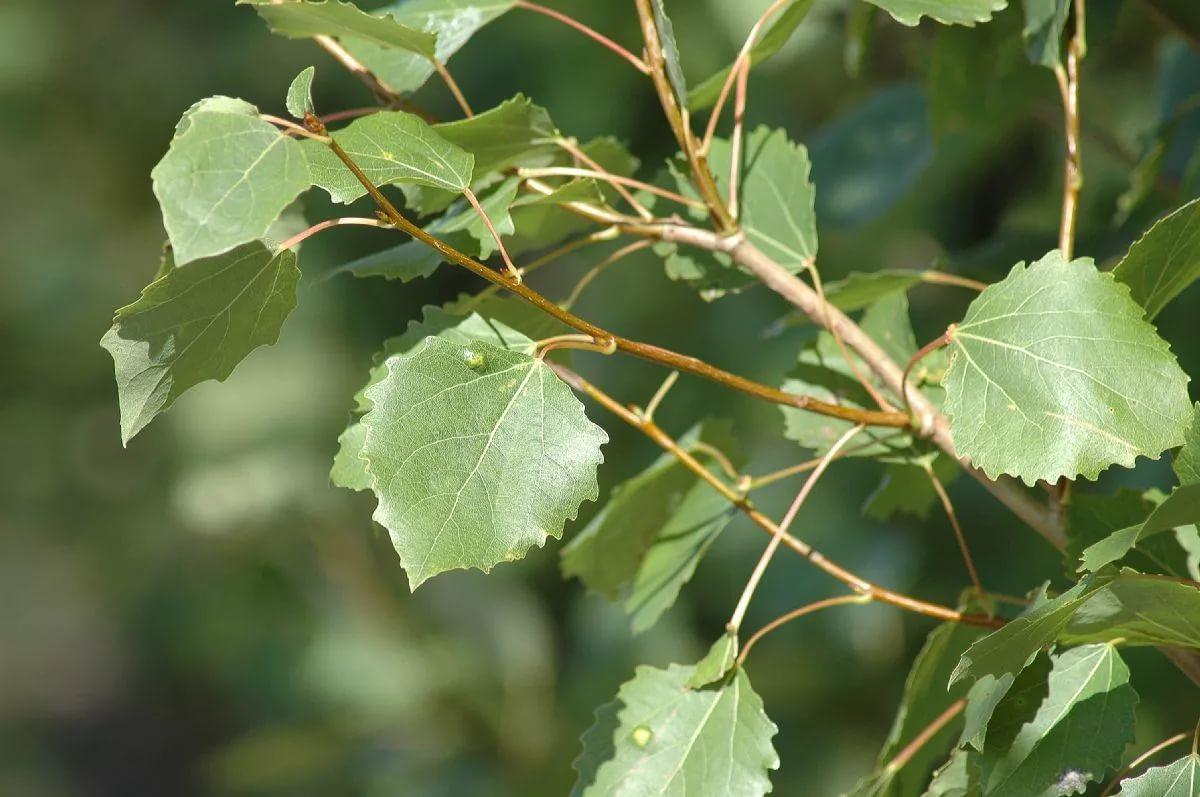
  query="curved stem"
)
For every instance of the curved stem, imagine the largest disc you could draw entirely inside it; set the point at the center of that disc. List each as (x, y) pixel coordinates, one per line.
(921, 739)
(382, 91)
(595, 36)
(325, 225)
(601, 173)
(926, 350)
(853, 581)
(944, 497)
(659, 395)
(758, 482)
(942, 278)
(617, 181)
(451, 84)
(794, 614)
(600, 268)
(491, 228)
(739, 612)
(645, 351)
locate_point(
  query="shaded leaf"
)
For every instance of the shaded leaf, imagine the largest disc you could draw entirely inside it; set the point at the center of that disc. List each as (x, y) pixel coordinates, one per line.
(949, 12)
(1044, 22)
(1050, 372)
(1164, 261)
(389, 147)
(1139, 609)
(705, 94)
(906, 489)
(1181, 508)
(225, 178)
(195, 323)
(476, 453)
(672, 740)
(670, 51)
(299, 94)
(716, 663)
(302, 19)
(1094, 517)
(1178, 779)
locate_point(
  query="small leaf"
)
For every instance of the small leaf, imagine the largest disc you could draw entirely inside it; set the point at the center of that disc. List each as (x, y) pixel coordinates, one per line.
(1164, 261)
(302, 19)
(704, 95)
(195, 323)
(299, 95)
(452, 22)
(716, 663)
(1077, 733)
(1055, 373)
(1181, 508)
(405, 262)
(1178, 779)
(667, 739)
(476, 453)
(1044, 22)
(670, 51)
(226, 177)
(948, 12)
(389, 147)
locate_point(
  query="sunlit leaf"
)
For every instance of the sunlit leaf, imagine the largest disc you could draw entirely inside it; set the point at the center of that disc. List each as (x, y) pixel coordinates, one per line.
(1178, 779)
(1055, 373)
(1164, 261)
(226, 177)
(301, 19)
(716, 663)
(949, 12)
(1187, 461)
(476, 453)
(668, 739)
(959, 777)
(299, 94)
(195, 323)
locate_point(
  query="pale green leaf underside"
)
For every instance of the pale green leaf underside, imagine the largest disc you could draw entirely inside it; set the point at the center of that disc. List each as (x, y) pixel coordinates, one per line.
(225, 178)
(389, 147)
(299, 94)
(301, 19)
(1179, 779)
(1055, 373)
(777, 198)
(1164, 261)
(195, 323)
(665, 739)
(949, 12)
(1060, 749)
(476, 454)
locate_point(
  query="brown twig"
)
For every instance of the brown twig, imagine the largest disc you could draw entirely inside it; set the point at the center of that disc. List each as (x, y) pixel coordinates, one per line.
(922, 738)
(794, 614)
(595, 36)
(853, 581)
(327, 224)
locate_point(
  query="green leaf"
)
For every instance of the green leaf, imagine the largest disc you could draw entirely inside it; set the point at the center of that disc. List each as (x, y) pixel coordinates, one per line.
(868, 158)
(704, 95)
(1055, 373)
(925, 698)
(856, 290)
(452, 22)
(1181, 508)
(670, 51)
(197, 323)
(349, 469)
(1044, 22)
(1187, 461)
(299, 94)
(406, 262)
(959, 777)
(948, 12)
(777, 198)
(389, 147)
(990, 695)
(1094, 517)
(302, 19)
(1077, 733)
(1178, 779)
(668, 739)
(1164, 261)
(645, 543)
(716, 663)
(1140, 610)
(476, 453)
(1002, 654)
(225, 178)
(906, 489)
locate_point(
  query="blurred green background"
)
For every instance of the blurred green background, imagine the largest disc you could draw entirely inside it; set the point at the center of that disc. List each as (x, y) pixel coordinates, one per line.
(204, 613)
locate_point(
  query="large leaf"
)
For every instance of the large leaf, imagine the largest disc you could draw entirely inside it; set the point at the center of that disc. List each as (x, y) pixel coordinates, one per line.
(706, 93)
(1181, 508)
(301, 19)
(647, 540)
(949, 12)
(1055, 373)
(476, 453)
(452, 22)
(1178, 779)
(1077, 733)
(868, 158)
(225, 178)
(195, 323)
(1164, 261)
(389, 147)
(662, 738)
(925, 698)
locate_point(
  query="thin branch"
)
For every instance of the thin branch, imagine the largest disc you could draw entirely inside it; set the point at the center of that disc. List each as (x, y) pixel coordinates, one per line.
(599, 38)
(853, 581)
(794, 614)
(735, 147)
(645, 351)
(944, 497)
(451, 84)
(1068, 87)
(719, 457)
(942, 278)
(617, 181)
(291, 127)
(922, 738)
(513, 271)
(1143, 758)
(759, 482)
(926, 350)
(760, 568)
(659, 395)
(600, 268)
(600, 173)
(325, 225)
(382, 91)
